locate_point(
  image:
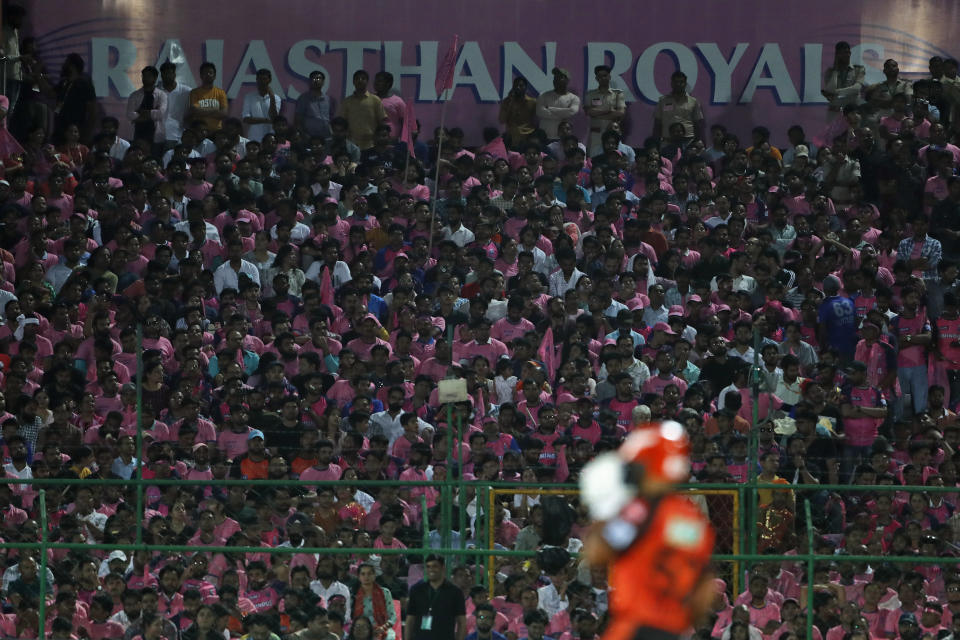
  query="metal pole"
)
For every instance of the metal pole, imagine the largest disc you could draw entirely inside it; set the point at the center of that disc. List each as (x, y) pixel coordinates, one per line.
(753, 446)
(480, 529)
(446, 508)
(560, 488)
(461, 493)
(507, 553)
(42, 604)
(491, 539)
(810, 568)
(426, 524)
(436, 180)
(139, 433)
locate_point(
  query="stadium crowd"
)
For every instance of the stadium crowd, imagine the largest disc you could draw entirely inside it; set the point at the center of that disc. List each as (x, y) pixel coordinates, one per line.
(297, 316)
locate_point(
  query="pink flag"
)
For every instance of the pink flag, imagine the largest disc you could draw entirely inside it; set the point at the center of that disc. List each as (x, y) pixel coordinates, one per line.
(409, 124)
(547, 354)
(496, 148)
(326, 288)
(445, 70)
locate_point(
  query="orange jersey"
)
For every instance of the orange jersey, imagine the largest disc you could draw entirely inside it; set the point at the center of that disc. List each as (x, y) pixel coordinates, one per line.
(656, 573)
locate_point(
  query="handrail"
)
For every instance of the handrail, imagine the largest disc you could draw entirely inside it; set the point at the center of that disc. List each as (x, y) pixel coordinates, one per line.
(470, 551)
(502, 484)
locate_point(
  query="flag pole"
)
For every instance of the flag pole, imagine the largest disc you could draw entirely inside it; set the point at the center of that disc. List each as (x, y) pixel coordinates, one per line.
(436, 179)
(444, 86)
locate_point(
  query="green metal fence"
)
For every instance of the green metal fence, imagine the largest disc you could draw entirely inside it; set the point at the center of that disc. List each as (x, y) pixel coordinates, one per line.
(742, 555)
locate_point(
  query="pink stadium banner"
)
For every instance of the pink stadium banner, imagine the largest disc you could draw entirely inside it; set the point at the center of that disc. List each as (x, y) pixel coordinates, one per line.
(748, 61)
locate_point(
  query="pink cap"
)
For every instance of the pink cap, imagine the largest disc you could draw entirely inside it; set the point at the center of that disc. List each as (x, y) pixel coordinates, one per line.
(774, 305)
(663, 326)
(723, 307)
(694, 298)
(676, 310)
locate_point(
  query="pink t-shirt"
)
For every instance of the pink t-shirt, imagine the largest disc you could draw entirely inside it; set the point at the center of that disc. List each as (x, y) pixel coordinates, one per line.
(876, 620)
(263, 599)
(106, 629)
(624, 411)
(760, 616)
(861, 432)
(332, 472)
(506, 331)
(656, 385)
(233, 444)
(911, 355)
(395, 109)
(378, 543)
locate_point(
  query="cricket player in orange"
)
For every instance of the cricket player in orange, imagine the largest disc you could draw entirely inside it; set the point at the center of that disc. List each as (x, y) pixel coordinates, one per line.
(656, 543)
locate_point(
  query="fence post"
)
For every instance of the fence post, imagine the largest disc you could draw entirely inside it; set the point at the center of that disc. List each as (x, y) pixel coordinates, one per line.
(445, 497)
(491, 538)
(810, 567)
(461, 496)
(480, 528)
(753, 444)
(425, 516)
(42, 604)
(139, 433)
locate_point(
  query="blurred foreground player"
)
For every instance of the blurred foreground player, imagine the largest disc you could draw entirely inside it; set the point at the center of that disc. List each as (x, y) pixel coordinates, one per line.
(656, 543)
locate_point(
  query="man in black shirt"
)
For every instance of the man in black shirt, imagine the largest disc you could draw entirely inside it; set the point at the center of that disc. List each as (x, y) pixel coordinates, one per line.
(718, 368)
(436, 609)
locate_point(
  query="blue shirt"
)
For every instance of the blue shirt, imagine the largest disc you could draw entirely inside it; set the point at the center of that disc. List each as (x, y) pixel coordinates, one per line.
(838, 315)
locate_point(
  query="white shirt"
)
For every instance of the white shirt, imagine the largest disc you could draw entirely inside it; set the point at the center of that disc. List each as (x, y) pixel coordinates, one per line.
(541, 262)
(339, 277)
(652, 315)
(58, 274)
(746, 356)
(96, 520)
(299, 233)
(178, 101)
(258, 106)
(158, 113)
(213, 234)
(386, 425)
(25, 474)
(560, 284)
(740, 283)
(552, 109)
(333, 189)
(550, 600)
(336, 588)
(5, 297)
(168, 155)
(390, 427)
(119, 149)
(462, 236)
(225, 276)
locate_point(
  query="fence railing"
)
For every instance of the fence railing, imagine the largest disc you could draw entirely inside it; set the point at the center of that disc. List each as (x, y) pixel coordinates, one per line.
(740, 554)
(484, 549)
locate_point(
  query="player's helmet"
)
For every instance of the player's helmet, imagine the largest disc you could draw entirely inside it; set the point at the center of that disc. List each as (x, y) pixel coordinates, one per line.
(660, 450)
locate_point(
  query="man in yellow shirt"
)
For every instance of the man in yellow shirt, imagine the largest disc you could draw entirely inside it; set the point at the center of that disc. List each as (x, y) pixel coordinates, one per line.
(363, 111)
(207, 102)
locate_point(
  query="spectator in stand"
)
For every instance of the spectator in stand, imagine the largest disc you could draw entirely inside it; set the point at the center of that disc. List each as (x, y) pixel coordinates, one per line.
(576, 295)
